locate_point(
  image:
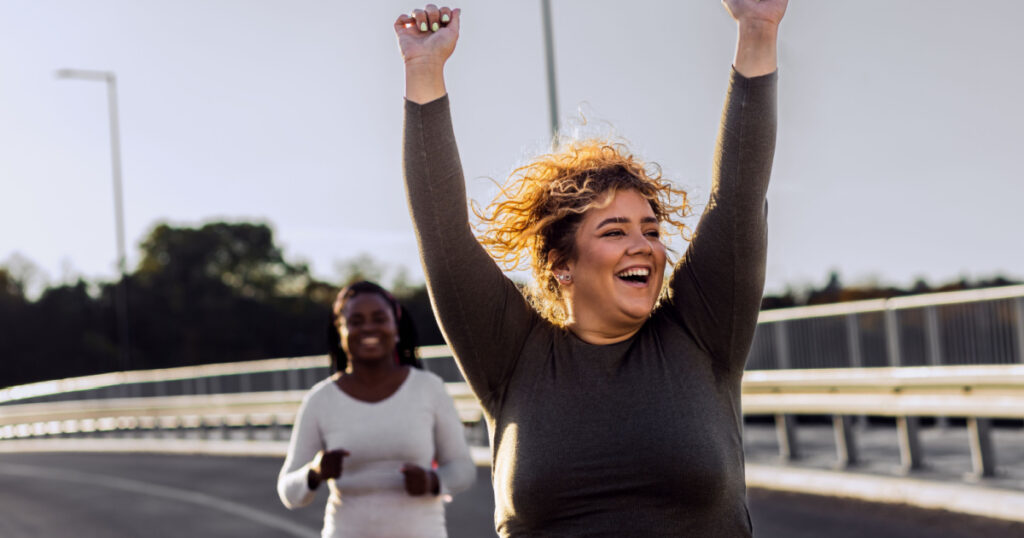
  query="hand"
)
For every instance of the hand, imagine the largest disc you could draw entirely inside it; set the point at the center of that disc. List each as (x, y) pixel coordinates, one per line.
(419, 481)
(756, 11)
(428, 36)
(325, 465)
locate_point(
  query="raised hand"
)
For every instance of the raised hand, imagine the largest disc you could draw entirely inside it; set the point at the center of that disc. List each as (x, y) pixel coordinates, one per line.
(428, 35)
(758, 24)
(756, 11)
(426, 39)
(419, 481)
(325, 465)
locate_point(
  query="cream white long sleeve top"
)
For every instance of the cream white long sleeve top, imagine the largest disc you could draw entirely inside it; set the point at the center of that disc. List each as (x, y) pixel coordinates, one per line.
(417, 424)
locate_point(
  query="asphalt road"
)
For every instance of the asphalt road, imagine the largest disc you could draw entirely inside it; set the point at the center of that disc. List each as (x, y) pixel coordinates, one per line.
(115, 495)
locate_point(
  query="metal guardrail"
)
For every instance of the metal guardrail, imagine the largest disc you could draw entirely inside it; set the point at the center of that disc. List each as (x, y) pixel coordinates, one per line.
(984, 326)
(977, 393)
(247, 409)
(892, 358)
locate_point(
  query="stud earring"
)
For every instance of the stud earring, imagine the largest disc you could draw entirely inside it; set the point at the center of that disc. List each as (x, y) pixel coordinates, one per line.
(564, 278)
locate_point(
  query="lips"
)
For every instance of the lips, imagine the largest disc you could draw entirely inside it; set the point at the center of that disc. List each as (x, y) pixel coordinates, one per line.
(637, 276)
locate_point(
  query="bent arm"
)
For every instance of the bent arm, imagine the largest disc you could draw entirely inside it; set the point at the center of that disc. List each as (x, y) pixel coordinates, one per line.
(455, 468)
(716, 287)
(483, 315)
(292, 481)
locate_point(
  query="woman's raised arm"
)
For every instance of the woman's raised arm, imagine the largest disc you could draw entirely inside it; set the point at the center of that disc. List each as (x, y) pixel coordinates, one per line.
(757, 24)
(716, 288)
(426, 39)
(484, 317)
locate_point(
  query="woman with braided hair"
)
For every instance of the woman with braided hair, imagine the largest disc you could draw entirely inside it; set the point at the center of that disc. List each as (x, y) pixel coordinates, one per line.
(612, 401)
(373, 429)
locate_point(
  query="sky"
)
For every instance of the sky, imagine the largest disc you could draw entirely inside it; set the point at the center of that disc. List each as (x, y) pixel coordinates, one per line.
(898, 157)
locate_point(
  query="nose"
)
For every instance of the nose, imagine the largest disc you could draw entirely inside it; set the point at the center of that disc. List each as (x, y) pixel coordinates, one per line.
(640, 245)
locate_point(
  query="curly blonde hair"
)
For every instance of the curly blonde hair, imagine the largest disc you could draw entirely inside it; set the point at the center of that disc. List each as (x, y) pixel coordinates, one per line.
(542, 204)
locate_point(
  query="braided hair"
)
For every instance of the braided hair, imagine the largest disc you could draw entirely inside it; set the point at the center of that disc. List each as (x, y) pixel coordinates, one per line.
(405, 348)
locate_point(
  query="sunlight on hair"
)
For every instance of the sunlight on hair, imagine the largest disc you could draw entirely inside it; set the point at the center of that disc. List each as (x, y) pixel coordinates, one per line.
(538, 208)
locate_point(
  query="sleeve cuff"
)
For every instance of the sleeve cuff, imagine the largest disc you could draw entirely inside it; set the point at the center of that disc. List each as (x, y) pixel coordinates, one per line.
(760, 80)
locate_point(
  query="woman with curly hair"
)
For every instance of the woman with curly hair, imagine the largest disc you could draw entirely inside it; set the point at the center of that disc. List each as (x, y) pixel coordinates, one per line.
(613, 404)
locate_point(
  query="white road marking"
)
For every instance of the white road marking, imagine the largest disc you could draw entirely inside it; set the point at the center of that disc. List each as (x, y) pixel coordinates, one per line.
(135, 486)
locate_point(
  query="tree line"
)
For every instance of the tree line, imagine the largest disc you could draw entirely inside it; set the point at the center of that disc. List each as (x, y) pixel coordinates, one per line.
(223, 292)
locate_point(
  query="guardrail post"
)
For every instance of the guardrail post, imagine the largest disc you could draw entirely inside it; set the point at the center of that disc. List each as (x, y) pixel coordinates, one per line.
(275, 428)
(782, 360)
(785, 432)
(846, 442)
(892, 337)
(933, 349)
(293, 379)
(785, 425)
(983, 456)
(856, 358)
(911, 456)
(1019, 328)
(931, 327)
(853, 341)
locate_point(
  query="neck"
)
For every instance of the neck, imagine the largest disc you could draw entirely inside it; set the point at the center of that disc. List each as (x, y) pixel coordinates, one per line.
(372, 372)
(593, 330)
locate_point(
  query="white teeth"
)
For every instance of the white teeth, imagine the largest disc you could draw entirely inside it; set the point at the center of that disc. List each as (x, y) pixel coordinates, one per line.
(372, 340)
(636, 272)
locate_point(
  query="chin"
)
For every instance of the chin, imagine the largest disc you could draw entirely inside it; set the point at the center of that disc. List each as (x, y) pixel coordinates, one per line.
(638, 313)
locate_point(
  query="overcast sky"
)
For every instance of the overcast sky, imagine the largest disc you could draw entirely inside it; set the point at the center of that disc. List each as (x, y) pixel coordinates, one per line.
(899, 150)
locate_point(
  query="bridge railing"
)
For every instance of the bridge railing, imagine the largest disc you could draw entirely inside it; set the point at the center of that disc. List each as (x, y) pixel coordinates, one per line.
(984, 326)
(867, 358)
(976, 393)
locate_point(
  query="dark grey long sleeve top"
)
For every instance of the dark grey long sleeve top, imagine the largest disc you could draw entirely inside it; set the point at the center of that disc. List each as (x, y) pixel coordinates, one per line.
(636, 438)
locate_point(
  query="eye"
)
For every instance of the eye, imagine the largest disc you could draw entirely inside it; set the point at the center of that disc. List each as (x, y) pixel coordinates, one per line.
(655, 234)
(612, 233)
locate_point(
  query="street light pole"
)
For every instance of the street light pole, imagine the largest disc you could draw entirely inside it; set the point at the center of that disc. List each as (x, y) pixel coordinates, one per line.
(549, 55)
(121, 299)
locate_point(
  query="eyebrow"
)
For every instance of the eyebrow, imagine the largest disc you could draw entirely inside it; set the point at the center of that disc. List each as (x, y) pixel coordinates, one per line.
(624, 220)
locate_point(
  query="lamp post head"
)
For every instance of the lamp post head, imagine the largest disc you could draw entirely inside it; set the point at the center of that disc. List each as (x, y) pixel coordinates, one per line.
(85, 74)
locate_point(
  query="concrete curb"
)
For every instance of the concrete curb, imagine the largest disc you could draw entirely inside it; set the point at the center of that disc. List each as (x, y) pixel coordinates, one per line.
(932, 495)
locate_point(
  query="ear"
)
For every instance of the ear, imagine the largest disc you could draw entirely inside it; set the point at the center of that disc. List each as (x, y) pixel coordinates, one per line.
(563, 271)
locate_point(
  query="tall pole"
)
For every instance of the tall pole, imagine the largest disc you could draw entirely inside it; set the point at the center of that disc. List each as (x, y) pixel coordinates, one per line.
(549, 54)
(121, 295)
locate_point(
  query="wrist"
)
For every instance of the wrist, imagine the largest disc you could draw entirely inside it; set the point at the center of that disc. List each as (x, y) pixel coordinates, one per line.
(313, 479)
(758, 29)
(424, 66)
(435, 483)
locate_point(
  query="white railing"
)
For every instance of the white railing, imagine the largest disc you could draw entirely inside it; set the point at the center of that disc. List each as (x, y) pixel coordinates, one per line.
(984, 326)
(868, 358)
(977, 393)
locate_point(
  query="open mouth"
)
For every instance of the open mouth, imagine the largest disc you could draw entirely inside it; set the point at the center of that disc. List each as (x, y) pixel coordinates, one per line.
(636, 275)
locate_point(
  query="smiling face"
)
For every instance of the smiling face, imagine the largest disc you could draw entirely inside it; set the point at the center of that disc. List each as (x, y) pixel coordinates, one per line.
(618, 269)
(368, 328)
